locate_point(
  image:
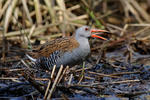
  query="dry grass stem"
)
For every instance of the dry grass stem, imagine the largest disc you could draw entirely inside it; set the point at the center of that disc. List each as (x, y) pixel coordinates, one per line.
(122, 63)
(49, 83)
(5, 7)
(16, 33)
(140, 10)
(103, 75)
(51, 10)
(55, 82)
(63, 73)
(38, 12)
(27, 11)
(9, 14)
(70, 79)
(128, 6)
(73, 8)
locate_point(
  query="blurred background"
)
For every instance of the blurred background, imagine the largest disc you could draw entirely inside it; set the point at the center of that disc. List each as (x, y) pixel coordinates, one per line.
(28, 23)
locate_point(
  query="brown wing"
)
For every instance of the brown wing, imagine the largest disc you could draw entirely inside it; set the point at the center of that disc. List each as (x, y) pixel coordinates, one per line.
(62, 44)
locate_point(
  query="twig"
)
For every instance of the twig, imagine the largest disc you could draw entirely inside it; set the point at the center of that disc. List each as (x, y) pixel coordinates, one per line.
(86, 77)
(141, 11)
(14, 78)
(123, 73)
(63, 74)
(38, 11)
(51, 10)
(118, 66)
(10, 70)
(9, 14)
(129, 94)
(103, 75)
(55, 82)
(27, 11)
(49, 82)
(24, 63)
(73, 8)
(82, 73)
(70, 79)
(5, 7)
(125, 81)
(28, 30)
(47, 89)
(118, 82)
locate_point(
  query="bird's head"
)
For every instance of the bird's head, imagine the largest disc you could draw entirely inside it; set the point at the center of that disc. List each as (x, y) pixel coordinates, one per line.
(87, 32)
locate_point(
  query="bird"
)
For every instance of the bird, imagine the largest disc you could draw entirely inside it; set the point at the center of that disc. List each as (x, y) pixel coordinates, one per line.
(66, 51)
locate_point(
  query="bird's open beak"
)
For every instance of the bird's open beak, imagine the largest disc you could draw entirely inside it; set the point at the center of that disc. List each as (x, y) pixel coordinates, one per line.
(96, 32)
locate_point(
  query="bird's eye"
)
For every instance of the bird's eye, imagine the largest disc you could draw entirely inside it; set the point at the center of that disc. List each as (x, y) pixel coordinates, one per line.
(86, 29)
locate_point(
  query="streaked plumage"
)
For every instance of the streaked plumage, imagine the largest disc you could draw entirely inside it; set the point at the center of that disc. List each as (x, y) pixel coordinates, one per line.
(64, 51)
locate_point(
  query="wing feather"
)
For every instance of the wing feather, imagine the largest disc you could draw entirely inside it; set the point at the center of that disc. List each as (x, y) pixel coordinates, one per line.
(49, 53)
(46, 49)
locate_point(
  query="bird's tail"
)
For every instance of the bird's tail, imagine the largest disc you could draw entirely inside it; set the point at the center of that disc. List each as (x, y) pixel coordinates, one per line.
(30, 58)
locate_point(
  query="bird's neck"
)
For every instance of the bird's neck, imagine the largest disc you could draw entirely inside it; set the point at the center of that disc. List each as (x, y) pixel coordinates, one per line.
(82, 41)
(84, 48)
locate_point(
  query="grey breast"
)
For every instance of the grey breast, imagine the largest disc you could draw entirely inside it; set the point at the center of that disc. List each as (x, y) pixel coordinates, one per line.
(74, 57)
(69, 58)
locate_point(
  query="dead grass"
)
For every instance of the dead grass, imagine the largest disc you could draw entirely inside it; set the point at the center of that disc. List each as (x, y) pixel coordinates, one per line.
(24, 22)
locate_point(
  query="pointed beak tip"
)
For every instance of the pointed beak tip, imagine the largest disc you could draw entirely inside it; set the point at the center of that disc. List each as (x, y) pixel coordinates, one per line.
(96, 36)
(95, 32)
(98, 30)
